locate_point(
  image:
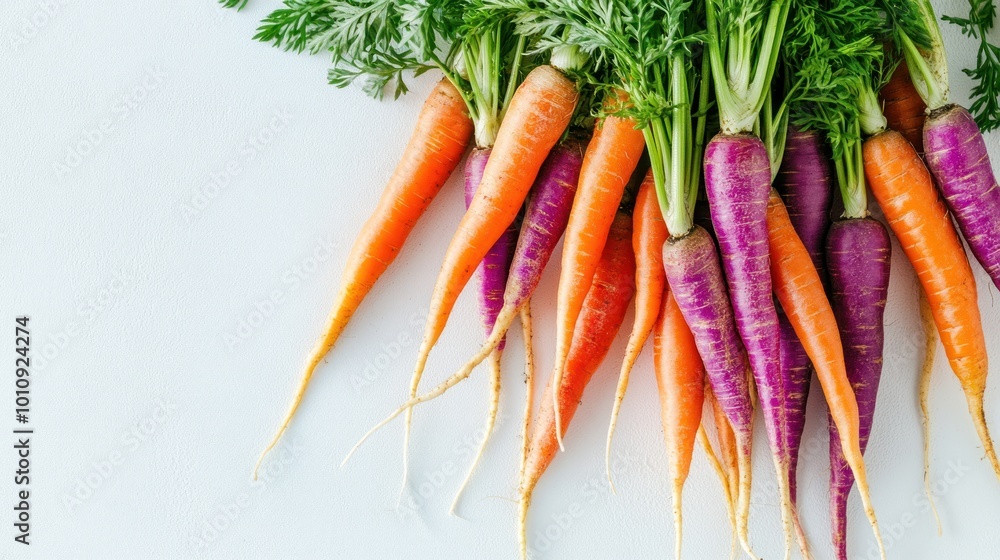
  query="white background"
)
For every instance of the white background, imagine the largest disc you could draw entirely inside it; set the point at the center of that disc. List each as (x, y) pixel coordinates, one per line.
(139, 314)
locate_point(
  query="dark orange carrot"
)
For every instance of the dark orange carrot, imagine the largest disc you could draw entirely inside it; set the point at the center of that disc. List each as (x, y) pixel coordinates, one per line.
(904, 189)
(611, 157)
(602, 315)
(441, 136)
(803, 297)
(680, 380)
(649, 233)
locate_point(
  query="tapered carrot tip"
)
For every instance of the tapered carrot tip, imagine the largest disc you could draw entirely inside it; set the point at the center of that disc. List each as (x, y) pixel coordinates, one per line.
(491, 419)
(800, 535)
(522, 523)
(786, 508)
(979, 418)
(311, 364)
(743, 501)
(678, 488)
(926, 370)
(861, 478)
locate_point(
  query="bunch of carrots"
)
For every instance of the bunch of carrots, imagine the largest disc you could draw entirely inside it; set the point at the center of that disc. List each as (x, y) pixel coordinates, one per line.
(710, 160)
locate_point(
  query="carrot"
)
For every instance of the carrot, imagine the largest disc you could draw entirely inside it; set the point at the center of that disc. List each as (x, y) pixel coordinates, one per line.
(612, 156)
(649, 233)
(906, 113)
(903, 108)
(904, 189)
(537, 116)
(442, 133)
(602, 315)
(801, 294)
(680, 380)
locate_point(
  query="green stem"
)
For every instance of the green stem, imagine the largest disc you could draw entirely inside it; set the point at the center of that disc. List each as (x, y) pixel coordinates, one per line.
(925, 79)
(740, 85)
(851, 179)
(871, 120)
(658, 147)
(699, 134)
(680, 218)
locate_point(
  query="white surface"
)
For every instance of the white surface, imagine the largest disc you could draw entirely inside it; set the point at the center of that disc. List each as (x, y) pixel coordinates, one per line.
(135, 304)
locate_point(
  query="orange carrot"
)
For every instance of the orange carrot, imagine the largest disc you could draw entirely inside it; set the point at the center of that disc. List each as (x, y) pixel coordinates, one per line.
(602, 315)
(903, 108)
(611, 157)
(680, 379)
(904, 189)
(649, 233)
(906, 112)
(440, 138)
(803, 297)
(538, 115)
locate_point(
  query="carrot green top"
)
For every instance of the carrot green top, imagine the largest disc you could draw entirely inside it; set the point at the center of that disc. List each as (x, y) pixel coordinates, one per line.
(645, 49)
(382, 41)
(836, 59)
(744, 37)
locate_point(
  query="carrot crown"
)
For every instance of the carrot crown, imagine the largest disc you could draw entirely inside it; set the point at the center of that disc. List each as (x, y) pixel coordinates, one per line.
(744, 37)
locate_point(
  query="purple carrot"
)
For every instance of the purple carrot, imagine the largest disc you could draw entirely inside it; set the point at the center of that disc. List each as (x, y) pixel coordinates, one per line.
(496, 264)
(805, 184)
(492, 273)
(695, 277)
(857, 258)
(738, 183)
(957, 157)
